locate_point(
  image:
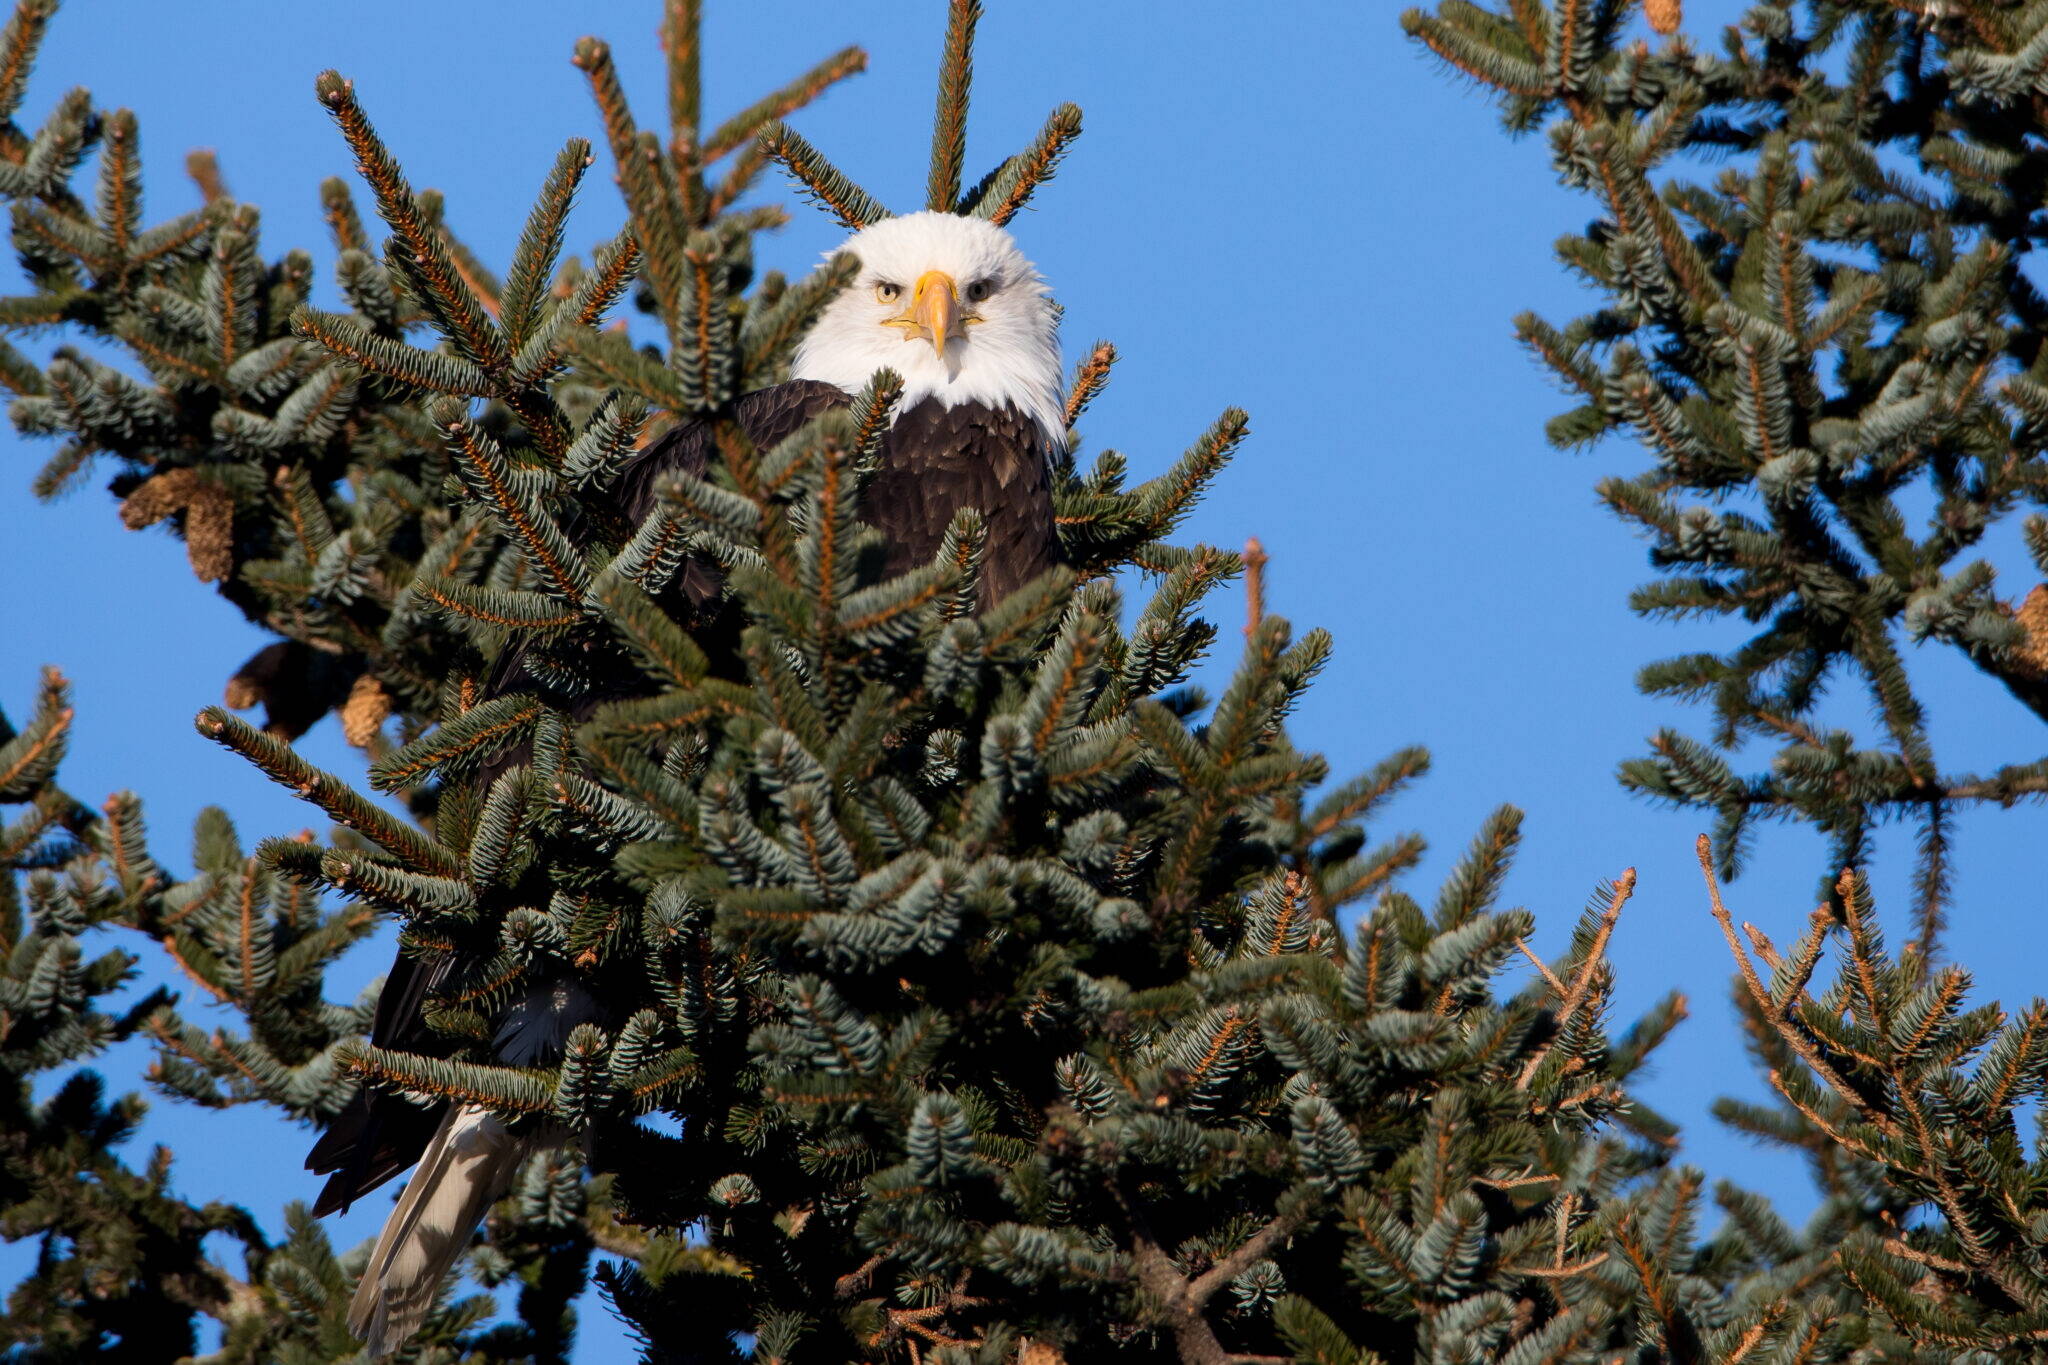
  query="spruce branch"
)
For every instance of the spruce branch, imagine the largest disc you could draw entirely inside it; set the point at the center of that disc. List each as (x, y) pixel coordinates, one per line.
(422, 246)
(349, 341)
(949, 124)
(540, 242)
(682, 32)
(1090, 377)
(652, 201)
(826, 185)
(1001, 194)
(738, 132)
(330, 793)
(515, 499)
(19, 42)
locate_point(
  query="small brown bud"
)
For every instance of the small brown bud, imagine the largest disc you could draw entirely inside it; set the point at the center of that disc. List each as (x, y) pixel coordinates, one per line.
(2033, 617)
(204, 169)
(1664, 15)
(209, 517)
(365, 711)
(210, 532)
(158, 497)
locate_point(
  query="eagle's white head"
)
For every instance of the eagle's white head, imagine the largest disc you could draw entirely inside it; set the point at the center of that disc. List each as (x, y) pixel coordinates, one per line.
(950, 304)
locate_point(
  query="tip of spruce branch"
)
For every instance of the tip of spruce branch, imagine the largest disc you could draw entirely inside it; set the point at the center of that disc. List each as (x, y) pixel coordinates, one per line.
(333, 89)
(591, 51)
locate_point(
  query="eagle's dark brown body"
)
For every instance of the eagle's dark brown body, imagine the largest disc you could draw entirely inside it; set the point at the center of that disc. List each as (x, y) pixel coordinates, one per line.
(937, 460)
(934, 461)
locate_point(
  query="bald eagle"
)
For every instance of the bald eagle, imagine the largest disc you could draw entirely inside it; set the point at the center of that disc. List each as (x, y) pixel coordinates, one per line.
(953, 306)
(949, 303)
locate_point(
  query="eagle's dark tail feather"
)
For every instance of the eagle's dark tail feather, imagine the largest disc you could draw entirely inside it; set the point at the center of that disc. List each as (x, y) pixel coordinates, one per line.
(377, 1135)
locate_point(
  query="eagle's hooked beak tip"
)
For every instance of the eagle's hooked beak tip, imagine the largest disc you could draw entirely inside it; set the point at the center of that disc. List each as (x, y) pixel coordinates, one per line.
(935, 308)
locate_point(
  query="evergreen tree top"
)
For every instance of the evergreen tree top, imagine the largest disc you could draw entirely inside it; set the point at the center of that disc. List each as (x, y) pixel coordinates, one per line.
(978, 988)
(1817, 319)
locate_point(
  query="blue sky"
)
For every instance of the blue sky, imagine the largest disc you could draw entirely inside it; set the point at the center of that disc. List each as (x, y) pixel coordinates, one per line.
(1286, 208)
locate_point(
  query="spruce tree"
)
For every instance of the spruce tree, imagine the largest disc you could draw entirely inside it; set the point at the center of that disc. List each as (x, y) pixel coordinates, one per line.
(980, 989)
(994, 976)
(1815, 316)
(1809, 244)
(124, 1270)
(292, 452)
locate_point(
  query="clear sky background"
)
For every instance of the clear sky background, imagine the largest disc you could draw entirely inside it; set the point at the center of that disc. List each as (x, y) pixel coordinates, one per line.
(1285, 207)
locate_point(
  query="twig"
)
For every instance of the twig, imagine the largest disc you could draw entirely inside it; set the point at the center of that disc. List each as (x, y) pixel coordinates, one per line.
(1775, 1014)
(1541, 966)
(1557, 1272)
(1572, 998)
(1255, 560)
(1237, 1262)
(1582, 984)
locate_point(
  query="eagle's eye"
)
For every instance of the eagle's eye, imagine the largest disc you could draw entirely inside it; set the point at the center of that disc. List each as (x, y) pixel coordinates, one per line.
(980, 290)
(888, 292)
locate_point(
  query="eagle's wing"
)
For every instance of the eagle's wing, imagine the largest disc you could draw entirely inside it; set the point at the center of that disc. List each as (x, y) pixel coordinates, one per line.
(769, 416)
(377, 1135)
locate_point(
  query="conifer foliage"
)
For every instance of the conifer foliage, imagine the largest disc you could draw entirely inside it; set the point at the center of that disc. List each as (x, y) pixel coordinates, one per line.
(1810, 239)
(963, 948)
(1912, 1105)
(974, 987)
(294, 452)
(125, 1269)
(992, 978)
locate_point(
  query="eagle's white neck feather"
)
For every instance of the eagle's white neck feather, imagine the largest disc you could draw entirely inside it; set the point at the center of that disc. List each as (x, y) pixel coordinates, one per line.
(1011, 356)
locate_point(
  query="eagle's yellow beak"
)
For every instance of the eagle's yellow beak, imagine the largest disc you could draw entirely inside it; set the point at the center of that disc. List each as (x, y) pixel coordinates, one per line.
(934, 309)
